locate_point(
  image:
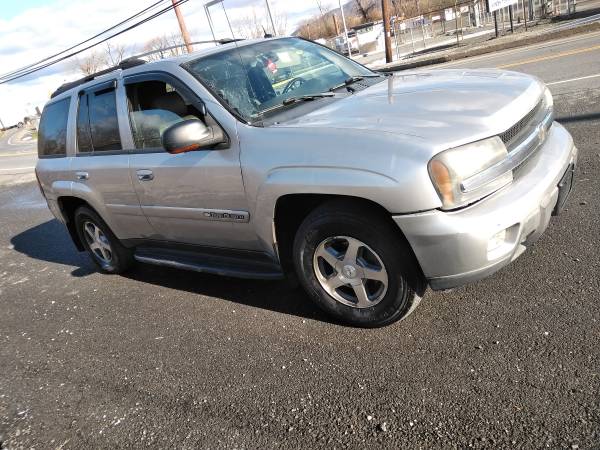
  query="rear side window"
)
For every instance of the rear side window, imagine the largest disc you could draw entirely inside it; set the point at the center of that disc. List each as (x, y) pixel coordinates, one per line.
(84, 141)
(97, 122)
(52, 133)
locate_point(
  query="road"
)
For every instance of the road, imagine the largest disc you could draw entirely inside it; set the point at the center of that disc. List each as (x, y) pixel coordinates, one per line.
(17, 156)
(164, 358)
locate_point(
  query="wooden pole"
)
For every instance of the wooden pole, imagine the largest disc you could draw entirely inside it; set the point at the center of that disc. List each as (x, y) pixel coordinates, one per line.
(385, 9)
(184, 32)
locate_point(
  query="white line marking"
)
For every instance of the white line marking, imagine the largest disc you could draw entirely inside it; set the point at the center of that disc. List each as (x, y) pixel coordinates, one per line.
(573, 79)
(17, 168)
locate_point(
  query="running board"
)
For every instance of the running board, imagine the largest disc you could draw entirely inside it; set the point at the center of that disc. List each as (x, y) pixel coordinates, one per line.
(251, 266)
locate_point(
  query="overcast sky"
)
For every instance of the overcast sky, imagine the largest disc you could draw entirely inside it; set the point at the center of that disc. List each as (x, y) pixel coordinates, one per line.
(34, 29)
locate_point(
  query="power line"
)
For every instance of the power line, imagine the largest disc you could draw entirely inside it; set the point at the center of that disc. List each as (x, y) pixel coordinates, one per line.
(16, 71)
(8, 78)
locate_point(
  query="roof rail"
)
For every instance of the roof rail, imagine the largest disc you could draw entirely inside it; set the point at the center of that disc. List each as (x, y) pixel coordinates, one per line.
(172, 47)
(125, 64)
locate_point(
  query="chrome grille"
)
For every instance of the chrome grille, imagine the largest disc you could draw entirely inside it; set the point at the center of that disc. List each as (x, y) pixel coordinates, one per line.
(510, 135)
(524, 139)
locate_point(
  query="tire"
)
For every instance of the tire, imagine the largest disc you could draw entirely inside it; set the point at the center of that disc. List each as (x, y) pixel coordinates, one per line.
(384, 265)
(104, 248)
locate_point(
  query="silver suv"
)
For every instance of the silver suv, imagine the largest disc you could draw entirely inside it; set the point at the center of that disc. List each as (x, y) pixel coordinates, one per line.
(261, 159)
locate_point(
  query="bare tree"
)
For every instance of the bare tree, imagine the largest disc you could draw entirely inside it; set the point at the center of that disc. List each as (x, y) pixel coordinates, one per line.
(115, 53)
(253, 26)
(91, 63)
(165, 46)
(368, 9)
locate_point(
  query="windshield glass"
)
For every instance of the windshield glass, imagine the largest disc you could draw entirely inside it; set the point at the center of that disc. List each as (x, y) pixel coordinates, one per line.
(256, 77)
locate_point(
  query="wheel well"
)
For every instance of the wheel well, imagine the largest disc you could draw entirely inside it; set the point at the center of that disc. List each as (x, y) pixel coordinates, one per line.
(292, 209)
(68, 206)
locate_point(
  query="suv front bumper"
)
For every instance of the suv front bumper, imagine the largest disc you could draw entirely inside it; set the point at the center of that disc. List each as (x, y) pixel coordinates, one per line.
(458, 247)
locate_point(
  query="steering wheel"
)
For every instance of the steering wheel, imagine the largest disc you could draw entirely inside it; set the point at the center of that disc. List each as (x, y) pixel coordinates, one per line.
(294, 83)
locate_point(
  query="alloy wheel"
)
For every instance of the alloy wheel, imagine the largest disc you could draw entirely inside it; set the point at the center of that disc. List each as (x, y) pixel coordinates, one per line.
(98, 243)
(350, 271)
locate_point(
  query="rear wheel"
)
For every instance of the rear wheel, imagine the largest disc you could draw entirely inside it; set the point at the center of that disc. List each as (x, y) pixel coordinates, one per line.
(356, 266)
(102, 245)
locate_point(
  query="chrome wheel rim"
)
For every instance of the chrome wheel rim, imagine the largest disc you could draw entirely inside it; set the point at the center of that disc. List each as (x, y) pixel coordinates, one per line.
(350, 271)
(98, 243)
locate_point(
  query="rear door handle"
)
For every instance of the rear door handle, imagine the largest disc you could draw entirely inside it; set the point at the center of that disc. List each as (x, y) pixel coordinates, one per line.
(145, 175)
(82, 175)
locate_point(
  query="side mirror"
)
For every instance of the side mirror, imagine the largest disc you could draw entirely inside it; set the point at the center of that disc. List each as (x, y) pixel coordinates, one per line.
(190, 135)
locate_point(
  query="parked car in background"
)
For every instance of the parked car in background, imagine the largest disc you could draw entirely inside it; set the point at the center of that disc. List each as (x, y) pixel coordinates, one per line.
(341, 43)
(366, 187)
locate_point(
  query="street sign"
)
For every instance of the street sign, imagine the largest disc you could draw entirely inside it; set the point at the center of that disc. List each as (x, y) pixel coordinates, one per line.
(495, 5)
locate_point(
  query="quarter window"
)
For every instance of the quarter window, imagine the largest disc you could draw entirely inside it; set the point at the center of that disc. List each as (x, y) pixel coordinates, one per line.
(52, 139)
(84, 141)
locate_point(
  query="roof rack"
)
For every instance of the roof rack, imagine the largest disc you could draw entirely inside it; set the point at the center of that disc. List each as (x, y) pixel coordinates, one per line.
(125, 64)
(133, 61)
(172, 47)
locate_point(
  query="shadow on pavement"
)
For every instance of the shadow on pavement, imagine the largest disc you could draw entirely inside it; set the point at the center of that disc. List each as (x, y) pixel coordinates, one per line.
(275, 296)
(577, 15)
(579, 118)
(51, 242)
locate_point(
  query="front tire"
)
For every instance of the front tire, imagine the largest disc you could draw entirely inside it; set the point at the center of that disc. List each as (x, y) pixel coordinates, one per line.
(356, 266)
(103, 247)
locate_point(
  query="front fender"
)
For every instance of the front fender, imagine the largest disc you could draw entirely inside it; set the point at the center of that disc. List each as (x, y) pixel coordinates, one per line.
(386, 168)
(350, 182)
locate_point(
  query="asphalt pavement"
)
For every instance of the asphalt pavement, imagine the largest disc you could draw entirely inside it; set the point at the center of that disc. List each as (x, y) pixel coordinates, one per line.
(18, 153)
(165, 358)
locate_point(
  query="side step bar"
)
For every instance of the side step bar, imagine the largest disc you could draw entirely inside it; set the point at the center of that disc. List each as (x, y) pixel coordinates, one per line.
(250, 266)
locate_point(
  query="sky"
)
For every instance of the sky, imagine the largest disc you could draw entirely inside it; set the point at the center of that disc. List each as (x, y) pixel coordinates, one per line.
(34, 29)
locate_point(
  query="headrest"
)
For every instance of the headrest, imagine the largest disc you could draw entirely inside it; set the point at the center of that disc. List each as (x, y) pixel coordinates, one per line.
(171, 101)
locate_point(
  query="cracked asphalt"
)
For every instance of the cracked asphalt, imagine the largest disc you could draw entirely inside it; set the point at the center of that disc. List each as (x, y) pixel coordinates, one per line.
(164, 358)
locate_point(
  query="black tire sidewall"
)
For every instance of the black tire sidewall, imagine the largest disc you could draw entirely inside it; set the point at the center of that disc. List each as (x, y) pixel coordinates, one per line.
(121, 258)
(384, 241)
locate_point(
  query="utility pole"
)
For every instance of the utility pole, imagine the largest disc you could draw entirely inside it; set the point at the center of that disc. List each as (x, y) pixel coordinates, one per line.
(335, 25)
(271, 17)
(345, 29)
(385, 9)
(184, 32)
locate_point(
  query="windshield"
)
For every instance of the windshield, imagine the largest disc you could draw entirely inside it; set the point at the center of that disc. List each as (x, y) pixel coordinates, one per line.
(254, 78)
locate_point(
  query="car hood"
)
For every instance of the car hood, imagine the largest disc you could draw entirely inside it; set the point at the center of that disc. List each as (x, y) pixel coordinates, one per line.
(446, 108)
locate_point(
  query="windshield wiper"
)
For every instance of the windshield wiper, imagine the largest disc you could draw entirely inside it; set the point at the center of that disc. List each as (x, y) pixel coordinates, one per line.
(355, 79)
(293, 100)
(303, 98)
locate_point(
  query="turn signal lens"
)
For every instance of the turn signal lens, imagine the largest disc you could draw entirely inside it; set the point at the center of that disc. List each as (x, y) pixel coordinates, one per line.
(441, 178)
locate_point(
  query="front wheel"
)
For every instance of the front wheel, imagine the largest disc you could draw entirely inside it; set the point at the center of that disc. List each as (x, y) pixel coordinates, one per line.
(356, 266)
(102, 245)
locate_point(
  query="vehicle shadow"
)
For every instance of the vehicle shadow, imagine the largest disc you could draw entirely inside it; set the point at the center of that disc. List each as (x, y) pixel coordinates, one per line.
(579, 118)
(277, 296)
(51, 242)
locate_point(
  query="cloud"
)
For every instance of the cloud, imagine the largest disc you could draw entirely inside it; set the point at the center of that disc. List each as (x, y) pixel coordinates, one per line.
(41, 31)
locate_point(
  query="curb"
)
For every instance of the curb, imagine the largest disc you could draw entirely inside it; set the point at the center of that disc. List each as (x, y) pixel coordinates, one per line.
(528, 40)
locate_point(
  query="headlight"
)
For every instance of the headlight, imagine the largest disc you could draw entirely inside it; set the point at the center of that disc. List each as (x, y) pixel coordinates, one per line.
(450, 168)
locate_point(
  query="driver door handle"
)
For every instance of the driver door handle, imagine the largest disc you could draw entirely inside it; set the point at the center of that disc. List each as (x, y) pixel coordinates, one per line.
(145, 175)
